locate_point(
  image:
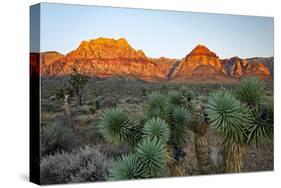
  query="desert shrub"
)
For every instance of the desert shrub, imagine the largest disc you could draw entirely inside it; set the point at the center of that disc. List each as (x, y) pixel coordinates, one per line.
(82, 165)
(52, 107)
(95, 103)
(55, 137)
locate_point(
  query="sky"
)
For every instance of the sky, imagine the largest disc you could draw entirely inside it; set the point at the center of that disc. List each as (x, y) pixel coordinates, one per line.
(158, 33)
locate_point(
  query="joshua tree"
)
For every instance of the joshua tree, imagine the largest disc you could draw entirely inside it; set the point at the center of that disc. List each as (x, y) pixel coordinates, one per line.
(198, 125)
(230, 118)
(179, 121)
(251, 91)
(156, 105)
(260, 131)
(151, 155)
(125, 168)
(117, 126)
(77, 83)
(187, 95)
(174, 99)
(157, 128)
(148, 161)
(200, 129)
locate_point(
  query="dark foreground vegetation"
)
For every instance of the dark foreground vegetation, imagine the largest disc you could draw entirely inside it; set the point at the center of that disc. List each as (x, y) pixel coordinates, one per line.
(118, 128)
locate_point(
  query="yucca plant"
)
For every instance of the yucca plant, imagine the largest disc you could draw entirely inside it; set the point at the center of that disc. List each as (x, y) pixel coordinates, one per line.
(187, 99)
(117, 126)
(156, 105)
(151, 155)
(179, 120)
(125, 168)
(251, 91)
(174, 98)
(156, 128)
(230, 118)
(260, 130)
(200, 129)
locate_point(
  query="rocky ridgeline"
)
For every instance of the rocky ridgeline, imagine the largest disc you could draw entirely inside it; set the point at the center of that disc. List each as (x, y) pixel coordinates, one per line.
(105, 57)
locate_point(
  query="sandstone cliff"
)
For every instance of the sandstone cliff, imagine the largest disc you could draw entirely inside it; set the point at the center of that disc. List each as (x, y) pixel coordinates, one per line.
(199, 64)
(104, 57)
(238, 68)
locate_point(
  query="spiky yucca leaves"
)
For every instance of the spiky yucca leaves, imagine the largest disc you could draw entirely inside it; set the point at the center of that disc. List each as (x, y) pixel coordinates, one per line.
(230, 117)
(251, 91)
(125, 168)
(151, 154)
(261, 129)
(200, 136)
(156, 105)
(174, 98)
(157, 128)
(116, 126)
(187, 99)
(179, 120)
(180, 99)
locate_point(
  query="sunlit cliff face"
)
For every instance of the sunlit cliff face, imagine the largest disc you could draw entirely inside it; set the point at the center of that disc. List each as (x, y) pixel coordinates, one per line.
(106, 57)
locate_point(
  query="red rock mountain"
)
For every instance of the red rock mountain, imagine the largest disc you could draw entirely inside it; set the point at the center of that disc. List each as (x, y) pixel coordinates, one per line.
(104, 57)
(50, 57)
(267, 61)
(200, 63)
(166, 64)
(238, 68)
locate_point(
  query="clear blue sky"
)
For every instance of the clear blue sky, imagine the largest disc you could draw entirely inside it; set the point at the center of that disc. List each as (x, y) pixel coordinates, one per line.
(157, 33)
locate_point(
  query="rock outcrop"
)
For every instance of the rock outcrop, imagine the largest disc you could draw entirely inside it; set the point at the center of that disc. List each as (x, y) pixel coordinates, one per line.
(268, 61)
(238, 68)
(258, 70)
(199, 64)
(104, 57)
(235, 67)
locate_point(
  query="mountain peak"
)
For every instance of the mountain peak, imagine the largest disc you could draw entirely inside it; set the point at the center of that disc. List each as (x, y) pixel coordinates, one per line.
(202, 50)
(106, 48)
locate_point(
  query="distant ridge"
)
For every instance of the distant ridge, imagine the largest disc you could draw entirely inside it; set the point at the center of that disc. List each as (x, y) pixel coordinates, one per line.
(105, 57)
